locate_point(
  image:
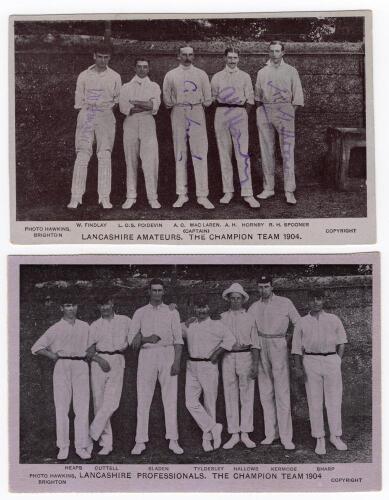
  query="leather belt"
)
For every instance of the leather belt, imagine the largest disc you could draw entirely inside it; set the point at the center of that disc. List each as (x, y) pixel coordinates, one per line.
(225, 105)
(74, 358)
(265, 336)
(198, 359)
(248, 349)
(109, 352)
(319, 353)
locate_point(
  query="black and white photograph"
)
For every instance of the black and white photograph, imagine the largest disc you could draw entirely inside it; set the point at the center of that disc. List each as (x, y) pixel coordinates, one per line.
(237, 129)
(217, 373)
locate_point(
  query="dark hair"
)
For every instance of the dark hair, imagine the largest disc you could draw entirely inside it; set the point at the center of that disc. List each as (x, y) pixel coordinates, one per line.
(156, 281)
(184, 47)
(277, 42)
(68, 297)
(201, 301)
(103, 47)
(316, 293)
(141, 59)
(230, 49)
(103, 299)
(264, 278)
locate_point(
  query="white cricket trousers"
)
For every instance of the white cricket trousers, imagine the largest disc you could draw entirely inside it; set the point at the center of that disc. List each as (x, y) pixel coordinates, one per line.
(274, 388)
(155, 363)
(231, 129)
(71, 384)
(140, 141)
(188, 123)
(106, 392)
(94, 125)
(202, 377)
(271, 118)
(238, 387)
(324, 381)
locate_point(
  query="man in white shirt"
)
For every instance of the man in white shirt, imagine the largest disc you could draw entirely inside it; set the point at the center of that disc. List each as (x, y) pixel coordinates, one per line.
(207, 341)
(66, 344)
(273, 314)
(97, 93)
(318, 346)
(278, 93)
(157, 333)
(240, 367)
(109, 336)
(186, 90)
(139, 101)
(233, 94)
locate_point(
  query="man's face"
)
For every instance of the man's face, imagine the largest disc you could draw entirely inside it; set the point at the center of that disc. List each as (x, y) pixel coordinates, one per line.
(232, 60)
(275, 52)
(265, 290)
(236, 301)
(316, 304)
(101, 60)
(156, 293)
(69, 310)
(186, 56)
(201, 312)
(106, 310)
(142, 69)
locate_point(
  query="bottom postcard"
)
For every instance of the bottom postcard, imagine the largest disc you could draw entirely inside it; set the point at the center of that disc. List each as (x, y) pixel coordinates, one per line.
(194, 373)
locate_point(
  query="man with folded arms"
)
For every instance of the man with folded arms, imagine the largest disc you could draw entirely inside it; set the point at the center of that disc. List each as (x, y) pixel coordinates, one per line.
(240, 367)
(157, 333)
(273, 314)
(233, 95)
(318, 346)
(66, 344)
(139, 100)
(186, 91)
(207, 341)
(109, 337)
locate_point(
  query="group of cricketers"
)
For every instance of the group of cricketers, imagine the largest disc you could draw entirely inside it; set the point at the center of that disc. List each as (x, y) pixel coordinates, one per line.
(187, 91)
(248, 344)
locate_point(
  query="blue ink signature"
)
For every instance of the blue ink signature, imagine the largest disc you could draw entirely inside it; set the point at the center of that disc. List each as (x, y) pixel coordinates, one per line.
(87, 127)
(189, 122)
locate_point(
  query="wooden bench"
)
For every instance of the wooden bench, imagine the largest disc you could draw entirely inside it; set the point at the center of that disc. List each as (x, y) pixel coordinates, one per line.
(341, 141)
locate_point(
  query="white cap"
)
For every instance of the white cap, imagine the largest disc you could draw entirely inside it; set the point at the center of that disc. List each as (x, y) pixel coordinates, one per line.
(235, 288)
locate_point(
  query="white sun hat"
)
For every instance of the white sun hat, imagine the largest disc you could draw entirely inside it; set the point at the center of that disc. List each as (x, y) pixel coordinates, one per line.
(235, 288)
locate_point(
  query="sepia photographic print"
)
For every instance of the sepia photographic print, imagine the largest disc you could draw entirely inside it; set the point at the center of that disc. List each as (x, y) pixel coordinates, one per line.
(194, 129)
(194, 373)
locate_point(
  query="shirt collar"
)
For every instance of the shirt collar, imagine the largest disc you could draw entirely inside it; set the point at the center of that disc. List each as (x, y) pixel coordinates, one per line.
(185, 68)
(140, 81)
(230, 71)
(161, 306)
(91, 68)
(269, 63)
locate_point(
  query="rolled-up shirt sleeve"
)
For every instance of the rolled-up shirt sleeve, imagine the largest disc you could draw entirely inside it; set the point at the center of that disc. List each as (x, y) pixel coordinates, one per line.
(116, 91)
(44, 341)
(156, 99)
(254, 337)
(227, 338)
(176, 328)
(297, 90)
(297, 346)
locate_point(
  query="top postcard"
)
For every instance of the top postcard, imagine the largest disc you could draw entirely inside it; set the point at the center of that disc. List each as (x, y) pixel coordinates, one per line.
(246, 129)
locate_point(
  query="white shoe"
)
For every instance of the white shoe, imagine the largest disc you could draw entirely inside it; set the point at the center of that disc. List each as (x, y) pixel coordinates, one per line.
(207, 446)
(265, 194)
(338, 443)
(320, 446)
(105, 450)
(226, 198)
(138, 449)
(267, 440)
(216, 432)
(181, 200)
(83, 454)
(234, 439)
(204, 202)
(251, 201)
(175, 447)
(63, 453)
(74, 202)
(105, 203)
(290, 199)
(288, 445)
(129, 203)
(244, 437)
(154, 204)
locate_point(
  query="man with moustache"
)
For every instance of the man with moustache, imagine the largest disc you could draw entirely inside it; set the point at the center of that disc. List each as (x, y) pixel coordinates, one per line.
(109, 337)
(139, 101)
(97, 93)
(233, 94)
(272, 315)
(318, 346)
(278, 93)
(240, 367)
(157, 333)
(186, 91)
